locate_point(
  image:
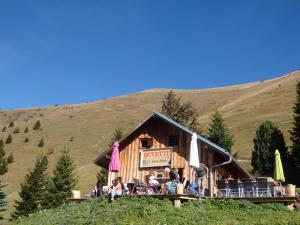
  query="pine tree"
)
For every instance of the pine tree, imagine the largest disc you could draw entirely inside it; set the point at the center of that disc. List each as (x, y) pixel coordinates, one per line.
(32, 189)
(3, 167)
(183, 113)
(26, 140)
(8, 139)
(3, 163)
(268, 138)
(10, 158)
(295, 138)
(218, 133)
(2, 199)
(26, 130)
(41, 143)
(117, 135)
(11, 124)
(278, 142)
(1, 148)
(37, 125)
(59, 189)
(102, 175)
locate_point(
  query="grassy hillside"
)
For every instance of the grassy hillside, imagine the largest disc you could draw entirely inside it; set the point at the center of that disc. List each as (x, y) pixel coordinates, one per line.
(86, 128)
(154, 211)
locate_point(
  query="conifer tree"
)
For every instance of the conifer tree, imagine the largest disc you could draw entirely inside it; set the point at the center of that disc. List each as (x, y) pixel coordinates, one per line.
(41, 143)
(218, 133)
(8, 139)
(295, 138)
(3, 163)
(183, 113)
(60, 187)
(268, 138)
(2, 199)
(26, 130)
(37, 125)
(32, 189)
(11, 124)
(2, 153)
(117, 135)
(10, 158)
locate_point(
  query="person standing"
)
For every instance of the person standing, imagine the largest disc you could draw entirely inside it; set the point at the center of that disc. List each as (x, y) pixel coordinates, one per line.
(201, 174)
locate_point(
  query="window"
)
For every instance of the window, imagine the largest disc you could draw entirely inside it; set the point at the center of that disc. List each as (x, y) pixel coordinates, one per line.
(173, 140)
(146, 142)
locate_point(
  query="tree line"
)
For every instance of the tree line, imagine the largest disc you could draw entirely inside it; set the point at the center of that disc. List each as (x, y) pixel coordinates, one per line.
(267, 139)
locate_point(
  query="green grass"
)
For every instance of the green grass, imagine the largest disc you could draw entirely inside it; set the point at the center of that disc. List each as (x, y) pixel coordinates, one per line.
(298, 189)
(153, 211)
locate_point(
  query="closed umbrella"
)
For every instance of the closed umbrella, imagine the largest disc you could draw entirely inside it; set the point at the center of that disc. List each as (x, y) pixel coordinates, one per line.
(194, 157)
(114, 164)
(278, 171)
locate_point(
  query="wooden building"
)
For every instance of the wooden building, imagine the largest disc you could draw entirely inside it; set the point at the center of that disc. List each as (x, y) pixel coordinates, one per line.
(160, 142)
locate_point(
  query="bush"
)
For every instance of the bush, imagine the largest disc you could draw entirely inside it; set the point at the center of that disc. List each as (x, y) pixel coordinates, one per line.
(41, 143)
(50, 150)
(11, 124)
(139, 210)
(4, 129)
(16, 130)
(8, 139)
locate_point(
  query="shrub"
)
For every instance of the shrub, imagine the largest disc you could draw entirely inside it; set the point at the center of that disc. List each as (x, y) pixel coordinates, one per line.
(50, 150)
(9, 139)
(41, 143)
(16, 130)
(11, 124)
(26, 140)
(4, 129)
(71, 138)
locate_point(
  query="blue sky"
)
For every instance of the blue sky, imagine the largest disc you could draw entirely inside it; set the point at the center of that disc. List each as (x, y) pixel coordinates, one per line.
(61, 52)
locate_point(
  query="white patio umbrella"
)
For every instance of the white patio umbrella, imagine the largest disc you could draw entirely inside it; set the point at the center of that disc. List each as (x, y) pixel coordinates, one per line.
(194, 156)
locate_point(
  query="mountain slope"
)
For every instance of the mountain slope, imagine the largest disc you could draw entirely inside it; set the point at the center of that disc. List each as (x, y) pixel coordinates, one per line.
(86, 128)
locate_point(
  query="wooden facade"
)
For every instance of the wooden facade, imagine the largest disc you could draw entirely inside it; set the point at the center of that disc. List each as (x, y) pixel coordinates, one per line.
(161, 133)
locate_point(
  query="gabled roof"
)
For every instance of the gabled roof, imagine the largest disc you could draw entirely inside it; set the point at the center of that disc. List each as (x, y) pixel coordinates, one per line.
(159, 115)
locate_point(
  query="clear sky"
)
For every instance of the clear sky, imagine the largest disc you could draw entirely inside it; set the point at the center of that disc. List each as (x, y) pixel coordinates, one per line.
(61, 52)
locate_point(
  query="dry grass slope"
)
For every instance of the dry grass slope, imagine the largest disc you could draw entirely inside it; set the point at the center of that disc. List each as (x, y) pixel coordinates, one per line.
(92, 124)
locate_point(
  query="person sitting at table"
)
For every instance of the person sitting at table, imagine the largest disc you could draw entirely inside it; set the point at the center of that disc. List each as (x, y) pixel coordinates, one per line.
(173, 174)
(115, 189)
(171, 186)
(166, 172)
(153, 183)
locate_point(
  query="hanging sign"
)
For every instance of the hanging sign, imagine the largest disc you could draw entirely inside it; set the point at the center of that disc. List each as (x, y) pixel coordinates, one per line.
(155, 157)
